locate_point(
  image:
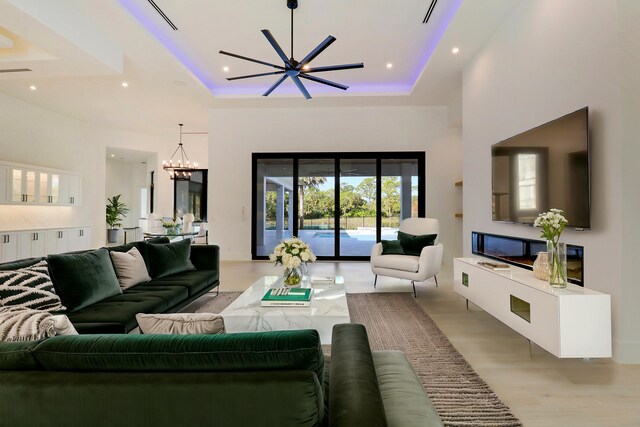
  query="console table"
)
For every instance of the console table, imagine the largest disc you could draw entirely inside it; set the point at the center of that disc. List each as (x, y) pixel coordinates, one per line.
(570, 322)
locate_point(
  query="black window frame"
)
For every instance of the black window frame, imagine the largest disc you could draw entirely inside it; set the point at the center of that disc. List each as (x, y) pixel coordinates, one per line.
(378, 156)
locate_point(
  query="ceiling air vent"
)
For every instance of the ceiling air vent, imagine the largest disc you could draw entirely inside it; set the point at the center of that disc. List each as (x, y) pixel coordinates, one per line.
(14, 70)
(430, 11)
(165, 17)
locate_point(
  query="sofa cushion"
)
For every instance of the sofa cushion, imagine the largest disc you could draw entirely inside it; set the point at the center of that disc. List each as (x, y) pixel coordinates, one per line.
(180, 323)
(392, 247)
(29, 287)
(413, 245)
(194, 281)
(116, 315)
(82, 279)
(17, 356)
(169, 258)
(398, 262)
(130, 267)
(172, 295)
(250, 351)
(405, 401)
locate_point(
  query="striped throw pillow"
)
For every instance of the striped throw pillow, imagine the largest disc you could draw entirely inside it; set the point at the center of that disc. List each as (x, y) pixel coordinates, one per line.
(29, 287)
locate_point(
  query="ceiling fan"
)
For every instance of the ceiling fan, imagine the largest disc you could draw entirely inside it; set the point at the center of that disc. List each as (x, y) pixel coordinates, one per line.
(292, 68)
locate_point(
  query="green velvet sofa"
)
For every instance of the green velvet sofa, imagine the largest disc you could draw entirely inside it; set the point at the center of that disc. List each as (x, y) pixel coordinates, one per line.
(172, 287)
(276, 378)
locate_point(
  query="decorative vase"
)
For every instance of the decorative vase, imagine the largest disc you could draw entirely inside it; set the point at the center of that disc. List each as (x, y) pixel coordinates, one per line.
(541, 266)
(292, 276)
(557, 264)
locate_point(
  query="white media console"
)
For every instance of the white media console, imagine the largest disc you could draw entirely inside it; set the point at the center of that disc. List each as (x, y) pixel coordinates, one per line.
(570, 322)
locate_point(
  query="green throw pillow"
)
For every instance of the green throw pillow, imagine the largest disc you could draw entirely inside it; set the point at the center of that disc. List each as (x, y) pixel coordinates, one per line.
(81, 279)
(413, 245)
(392, 247)
(169, 258)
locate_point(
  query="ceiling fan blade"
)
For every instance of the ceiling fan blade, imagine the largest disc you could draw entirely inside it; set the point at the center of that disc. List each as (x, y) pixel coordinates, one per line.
(252, 60)
(317, 51)
(277, 47)
(255, 75)
(325, 82)
(275, 85)
(332, 68)
(298, 83)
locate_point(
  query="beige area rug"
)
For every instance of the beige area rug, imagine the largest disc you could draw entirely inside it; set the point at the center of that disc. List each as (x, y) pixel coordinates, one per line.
(394, 321)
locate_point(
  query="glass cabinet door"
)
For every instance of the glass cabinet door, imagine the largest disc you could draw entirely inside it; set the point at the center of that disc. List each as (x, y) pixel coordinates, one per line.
(17, 194)
(43, 194)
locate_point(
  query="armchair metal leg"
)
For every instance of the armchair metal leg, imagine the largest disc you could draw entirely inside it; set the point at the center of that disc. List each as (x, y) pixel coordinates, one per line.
(414, 288)
(375, 281)
(436, 279)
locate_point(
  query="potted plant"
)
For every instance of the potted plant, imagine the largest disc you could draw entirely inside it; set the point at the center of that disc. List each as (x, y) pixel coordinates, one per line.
(116, 211)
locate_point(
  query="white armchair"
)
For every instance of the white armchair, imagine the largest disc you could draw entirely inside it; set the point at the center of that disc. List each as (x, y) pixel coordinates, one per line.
(414, 268)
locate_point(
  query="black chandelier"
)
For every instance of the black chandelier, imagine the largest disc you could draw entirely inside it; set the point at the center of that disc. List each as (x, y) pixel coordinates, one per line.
(181, 168)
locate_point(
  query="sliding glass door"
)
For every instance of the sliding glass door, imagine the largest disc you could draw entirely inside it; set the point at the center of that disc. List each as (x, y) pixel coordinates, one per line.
(339, 203)
(316, 204)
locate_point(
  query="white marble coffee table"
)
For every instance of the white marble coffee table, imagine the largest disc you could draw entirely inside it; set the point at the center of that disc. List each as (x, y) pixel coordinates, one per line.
(328, 307)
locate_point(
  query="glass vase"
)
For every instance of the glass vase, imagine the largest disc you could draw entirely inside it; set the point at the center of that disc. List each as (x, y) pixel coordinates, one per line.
(557, 264)
(292, 276)
(541, 266)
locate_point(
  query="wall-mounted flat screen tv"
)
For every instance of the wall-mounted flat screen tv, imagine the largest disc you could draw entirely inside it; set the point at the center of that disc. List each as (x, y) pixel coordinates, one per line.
(545, 167)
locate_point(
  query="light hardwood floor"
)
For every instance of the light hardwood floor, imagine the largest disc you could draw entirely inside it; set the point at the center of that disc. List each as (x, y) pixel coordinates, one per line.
(540, 389)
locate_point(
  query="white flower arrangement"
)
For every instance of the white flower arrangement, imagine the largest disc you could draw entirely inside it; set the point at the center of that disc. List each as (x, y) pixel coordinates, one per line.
(291, 253)
(552, 224)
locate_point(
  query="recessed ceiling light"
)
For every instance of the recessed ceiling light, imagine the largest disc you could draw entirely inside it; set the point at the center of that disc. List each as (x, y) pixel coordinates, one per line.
(306, 67)
(179, 83)
(389, 65)
(33, 87)
(113, 155)
(225, 69)
(455, 50)
(125, 84)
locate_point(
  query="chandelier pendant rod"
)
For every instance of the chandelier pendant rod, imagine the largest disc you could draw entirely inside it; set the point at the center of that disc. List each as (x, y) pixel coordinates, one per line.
(291, 33)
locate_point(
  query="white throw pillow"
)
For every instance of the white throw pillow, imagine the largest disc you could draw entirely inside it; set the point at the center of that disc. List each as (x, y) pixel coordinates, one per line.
(180, 323)
(130, 267)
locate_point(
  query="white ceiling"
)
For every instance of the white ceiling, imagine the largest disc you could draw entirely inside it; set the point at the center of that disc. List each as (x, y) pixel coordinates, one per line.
(79, 53)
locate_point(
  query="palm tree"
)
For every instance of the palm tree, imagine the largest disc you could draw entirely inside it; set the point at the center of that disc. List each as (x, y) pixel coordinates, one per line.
(306, 182)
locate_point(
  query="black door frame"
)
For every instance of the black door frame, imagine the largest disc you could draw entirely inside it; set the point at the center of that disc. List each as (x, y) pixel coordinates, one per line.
(378, 156)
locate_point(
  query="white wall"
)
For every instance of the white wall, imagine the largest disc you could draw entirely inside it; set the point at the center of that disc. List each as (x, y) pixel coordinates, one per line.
(127, 179)
(36, 136)
(548, 59)
(234, 134)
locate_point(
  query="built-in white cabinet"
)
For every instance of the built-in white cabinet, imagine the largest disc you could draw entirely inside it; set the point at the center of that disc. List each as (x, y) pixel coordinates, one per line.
(27, 185)
(569, 322)
(49, 188)
(4, 184)
(8, 246)
(79, 238)
(31, 244)
(57, 241)
(73, 196)
(23, 184)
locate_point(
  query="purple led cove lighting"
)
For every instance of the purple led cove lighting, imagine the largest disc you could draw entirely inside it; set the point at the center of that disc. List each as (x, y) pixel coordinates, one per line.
(447, 14)
(443, 24)
(140, 15)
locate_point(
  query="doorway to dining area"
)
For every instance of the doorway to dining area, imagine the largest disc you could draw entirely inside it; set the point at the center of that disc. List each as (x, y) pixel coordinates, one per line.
(341, 204)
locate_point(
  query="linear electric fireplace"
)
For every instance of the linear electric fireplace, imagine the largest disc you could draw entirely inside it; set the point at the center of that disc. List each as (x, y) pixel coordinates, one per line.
(522, 252)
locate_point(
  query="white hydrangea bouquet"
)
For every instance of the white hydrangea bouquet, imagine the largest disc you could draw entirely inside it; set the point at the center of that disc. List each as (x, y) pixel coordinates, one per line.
(552, 224)
(292, 254)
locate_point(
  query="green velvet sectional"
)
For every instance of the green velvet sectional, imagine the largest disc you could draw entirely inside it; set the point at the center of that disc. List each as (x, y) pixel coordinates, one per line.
(85, 283)
(251, 379)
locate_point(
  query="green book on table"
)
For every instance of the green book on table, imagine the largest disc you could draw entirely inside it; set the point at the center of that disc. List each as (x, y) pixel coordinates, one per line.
(287, 296)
